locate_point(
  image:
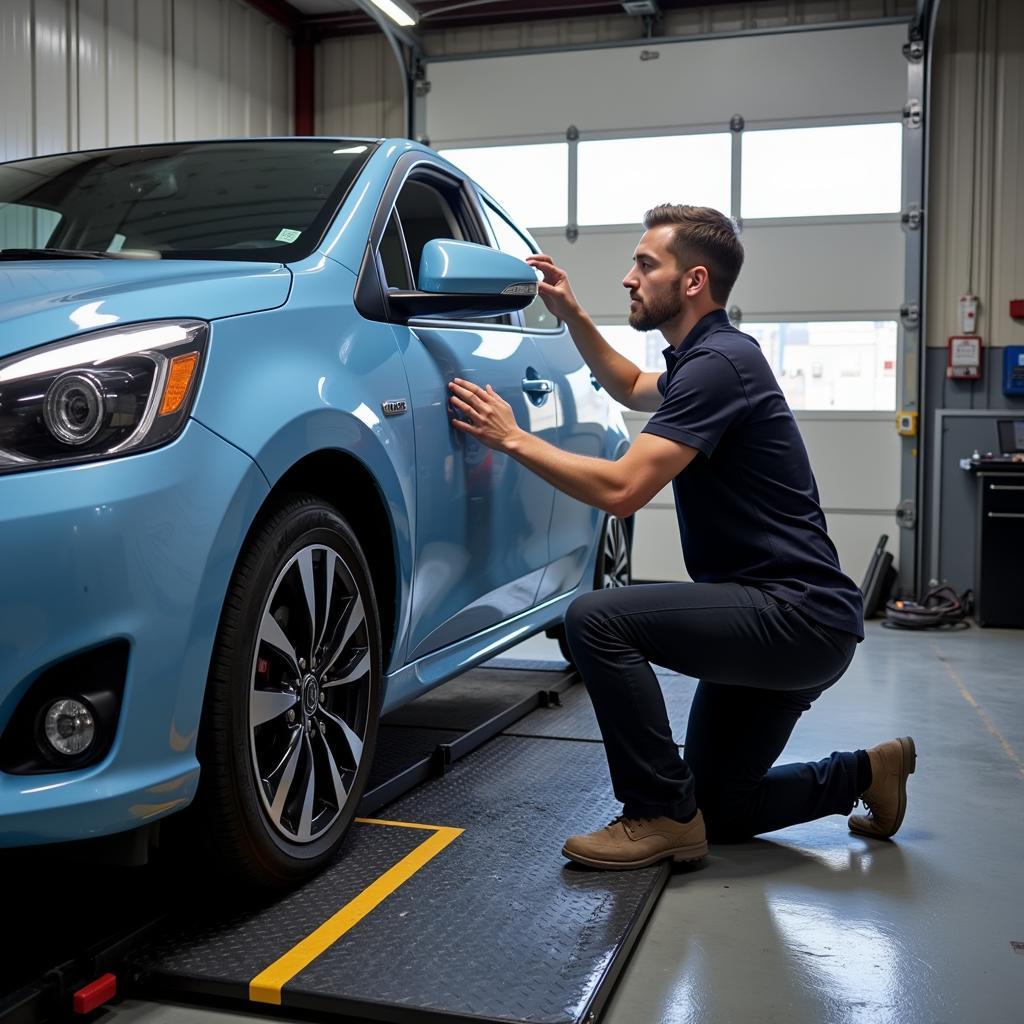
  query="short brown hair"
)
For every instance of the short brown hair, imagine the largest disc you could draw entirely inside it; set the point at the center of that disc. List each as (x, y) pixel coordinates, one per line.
(702, 235)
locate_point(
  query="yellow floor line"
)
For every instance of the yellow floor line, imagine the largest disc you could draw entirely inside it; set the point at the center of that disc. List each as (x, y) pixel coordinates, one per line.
(400, 824)
(982, 714)
(266, 986)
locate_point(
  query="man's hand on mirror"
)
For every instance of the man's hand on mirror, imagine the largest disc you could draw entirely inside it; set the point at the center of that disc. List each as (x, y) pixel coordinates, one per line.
(555, 289)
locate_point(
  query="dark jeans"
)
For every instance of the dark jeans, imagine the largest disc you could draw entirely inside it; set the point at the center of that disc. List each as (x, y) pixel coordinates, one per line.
(760, 664)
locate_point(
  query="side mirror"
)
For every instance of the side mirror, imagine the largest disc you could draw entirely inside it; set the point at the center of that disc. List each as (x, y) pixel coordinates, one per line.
(465, 280)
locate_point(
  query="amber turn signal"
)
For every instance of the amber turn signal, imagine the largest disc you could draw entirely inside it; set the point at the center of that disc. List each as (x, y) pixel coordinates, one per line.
(178, 380)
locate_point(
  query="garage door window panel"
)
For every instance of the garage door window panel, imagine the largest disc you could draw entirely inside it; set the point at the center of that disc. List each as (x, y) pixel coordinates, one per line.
(620, 179)
(834, 170)
(531, 181)
(837, 365)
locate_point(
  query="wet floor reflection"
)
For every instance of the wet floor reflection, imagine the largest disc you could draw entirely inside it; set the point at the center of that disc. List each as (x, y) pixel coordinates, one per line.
(817, 932)
(852, 965)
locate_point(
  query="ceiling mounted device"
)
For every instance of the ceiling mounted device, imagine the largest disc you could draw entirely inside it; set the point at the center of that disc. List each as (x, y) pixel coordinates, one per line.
(641, 7)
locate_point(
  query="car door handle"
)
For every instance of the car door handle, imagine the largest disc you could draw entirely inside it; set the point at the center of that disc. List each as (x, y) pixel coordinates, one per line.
(537, 387)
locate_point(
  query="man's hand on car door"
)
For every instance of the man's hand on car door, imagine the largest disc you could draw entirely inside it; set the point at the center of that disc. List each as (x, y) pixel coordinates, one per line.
(489, 418)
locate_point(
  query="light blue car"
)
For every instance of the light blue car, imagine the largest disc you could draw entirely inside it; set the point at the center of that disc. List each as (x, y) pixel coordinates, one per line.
(236, 524)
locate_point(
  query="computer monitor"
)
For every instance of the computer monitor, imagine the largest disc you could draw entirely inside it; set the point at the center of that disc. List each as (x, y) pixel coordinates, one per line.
(1011, 436)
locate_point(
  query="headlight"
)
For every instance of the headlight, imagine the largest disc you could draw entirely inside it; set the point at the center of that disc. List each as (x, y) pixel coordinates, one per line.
(110, 393)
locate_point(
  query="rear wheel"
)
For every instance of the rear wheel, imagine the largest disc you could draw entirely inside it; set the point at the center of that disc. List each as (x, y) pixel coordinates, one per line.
(614, 563)
(293, 699)
(613, 569)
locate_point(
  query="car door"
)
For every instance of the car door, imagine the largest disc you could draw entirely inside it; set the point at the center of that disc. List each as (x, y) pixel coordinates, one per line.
(582, 412)
(481, 544)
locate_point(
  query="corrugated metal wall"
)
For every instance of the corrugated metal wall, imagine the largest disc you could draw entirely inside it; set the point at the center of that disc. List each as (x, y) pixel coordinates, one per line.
(975, 244)
(359, 86)
(976, 205)
(81, 73)
(359, 89)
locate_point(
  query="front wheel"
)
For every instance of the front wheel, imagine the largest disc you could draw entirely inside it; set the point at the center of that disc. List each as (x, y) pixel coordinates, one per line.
(293, 699)
(614, 567)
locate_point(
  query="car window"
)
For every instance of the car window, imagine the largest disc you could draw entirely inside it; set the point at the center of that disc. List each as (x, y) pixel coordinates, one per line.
(392, 257)
(241, 199)
(425, 213)
(536, 316)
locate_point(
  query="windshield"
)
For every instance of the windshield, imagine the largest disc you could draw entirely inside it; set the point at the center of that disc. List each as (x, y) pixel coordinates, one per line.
(266, 200)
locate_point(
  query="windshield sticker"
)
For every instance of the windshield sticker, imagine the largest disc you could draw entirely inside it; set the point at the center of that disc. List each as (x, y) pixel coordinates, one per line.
(287, 235)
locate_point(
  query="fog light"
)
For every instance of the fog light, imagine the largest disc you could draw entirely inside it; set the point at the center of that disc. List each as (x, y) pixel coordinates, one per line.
(69, 727)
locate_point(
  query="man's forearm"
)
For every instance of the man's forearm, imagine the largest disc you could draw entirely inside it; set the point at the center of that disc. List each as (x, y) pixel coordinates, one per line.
(616, 374)
(597, 482)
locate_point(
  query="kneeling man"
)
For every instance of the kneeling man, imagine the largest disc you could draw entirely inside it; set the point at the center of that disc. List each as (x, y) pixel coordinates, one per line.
(770, 622)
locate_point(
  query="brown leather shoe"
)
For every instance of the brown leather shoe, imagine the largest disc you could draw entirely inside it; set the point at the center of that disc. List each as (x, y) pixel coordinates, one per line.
(886, 797)
(638, 843)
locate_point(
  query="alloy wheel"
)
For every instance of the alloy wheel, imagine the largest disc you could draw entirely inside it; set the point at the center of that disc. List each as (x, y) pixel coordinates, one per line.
(310, 682)
(615, 570)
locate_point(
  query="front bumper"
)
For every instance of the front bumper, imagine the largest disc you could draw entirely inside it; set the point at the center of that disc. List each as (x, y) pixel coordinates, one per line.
(139, 548)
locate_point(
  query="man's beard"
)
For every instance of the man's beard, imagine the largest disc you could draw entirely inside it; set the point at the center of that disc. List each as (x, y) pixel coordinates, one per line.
(651, 315)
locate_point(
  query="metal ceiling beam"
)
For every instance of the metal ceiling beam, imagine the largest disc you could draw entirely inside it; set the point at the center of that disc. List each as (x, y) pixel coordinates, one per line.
(351, 22)
(442, 14)
(395, 33)
(280, 11)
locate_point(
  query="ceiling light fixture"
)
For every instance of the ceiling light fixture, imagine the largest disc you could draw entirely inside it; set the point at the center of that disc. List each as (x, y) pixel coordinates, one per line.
(398, 11)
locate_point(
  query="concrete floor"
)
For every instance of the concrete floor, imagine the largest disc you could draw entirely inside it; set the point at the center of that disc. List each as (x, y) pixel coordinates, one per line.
(813, 925)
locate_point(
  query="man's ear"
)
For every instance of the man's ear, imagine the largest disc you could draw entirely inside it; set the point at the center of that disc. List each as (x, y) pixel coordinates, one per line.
(698, 281)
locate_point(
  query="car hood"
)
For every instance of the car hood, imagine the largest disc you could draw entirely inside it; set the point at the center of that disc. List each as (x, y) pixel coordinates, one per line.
(48, 300)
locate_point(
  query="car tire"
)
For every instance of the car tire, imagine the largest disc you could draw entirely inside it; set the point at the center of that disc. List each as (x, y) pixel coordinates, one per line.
(293, 698)
(614, 567)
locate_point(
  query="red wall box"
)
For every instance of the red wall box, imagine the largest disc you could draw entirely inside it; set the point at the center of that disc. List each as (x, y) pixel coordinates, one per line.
(964, 356)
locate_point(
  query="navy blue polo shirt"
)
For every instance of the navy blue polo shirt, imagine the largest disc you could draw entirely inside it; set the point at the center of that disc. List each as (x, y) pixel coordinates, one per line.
(748, 504)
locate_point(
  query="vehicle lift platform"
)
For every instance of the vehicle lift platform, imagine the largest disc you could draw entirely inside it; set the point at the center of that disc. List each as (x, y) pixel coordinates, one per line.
(450, 899)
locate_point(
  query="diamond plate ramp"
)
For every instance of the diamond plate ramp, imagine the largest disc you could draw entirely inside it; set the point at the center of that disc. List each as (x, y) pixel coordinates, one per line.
(219, 948)
(472, 698)
(574, 718)
(399, 747)
(496, 927)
